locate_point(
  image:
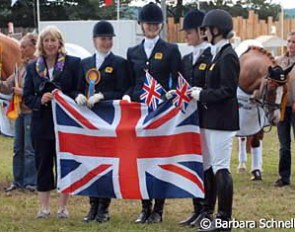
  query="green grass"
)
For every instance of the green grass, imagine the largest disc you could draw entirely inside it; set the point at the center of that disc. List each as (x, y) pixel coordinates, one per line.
(252, 201)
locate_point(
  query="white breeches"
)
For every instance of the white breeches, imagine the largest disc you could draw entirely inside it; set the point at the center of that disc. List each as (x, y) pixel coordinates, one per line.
(216, 148)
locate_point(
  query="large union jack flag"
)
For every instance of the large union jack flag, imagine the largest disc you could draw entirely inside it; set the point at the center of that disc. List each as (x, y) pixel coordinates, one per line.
(121, 150)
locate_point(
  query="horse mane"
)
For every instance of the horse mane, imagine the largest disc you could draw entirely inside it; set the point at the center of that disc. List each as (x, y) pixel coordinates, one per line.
(255, 63)
(10, 55)
(262, 51)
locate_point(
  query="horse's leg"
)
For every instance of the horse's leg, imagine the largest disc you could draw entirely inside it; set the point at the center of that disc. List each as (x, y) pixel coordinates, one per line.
(256, 151)
(242, 154)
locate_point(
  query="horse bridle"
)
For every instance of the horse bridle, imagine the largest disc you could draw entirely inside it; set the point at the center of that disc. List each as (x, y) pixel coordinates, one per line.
(267, 106)
(265, 103)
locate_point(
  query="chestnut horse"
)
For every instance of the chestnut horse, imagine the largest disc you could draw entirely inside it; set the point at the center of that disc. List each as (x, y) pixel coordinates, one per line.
(9, 55)
(261, 90)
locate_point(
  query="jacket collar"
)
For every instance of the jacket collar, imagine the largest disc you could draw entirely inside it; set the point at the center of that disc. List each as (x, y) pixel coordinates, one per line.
(155, 49)
(220, 51)
(106, 61)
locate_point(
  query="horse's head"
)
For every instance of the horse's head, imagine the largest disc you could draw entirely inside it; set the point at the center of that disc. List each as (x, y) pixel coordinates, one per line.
(272, 92)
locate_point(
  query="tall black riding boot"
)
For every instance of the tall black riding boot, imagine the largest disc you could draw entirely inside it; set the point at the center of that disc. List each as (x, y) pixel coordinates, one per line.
(210, 191)
(208, 203)
(103, 210)
(156, 215)
(224, 187)
(198, 205)
(93, 201)
(224, 183)
(145, 212)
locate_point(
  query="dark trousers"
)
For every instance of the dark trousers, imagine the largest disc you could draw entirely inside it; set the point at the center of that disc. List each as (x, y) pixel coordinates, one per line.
(284, 134)
(45, 163)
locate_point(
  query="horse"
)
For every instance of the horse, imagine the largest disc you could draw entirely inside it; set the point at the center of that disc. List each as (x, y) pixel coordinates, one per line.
(262, 87)
(9, 55)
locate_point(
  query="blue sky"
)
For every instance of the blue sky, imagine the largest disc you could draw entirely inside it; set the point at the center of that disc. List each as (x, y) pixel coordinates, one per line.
(286, 3)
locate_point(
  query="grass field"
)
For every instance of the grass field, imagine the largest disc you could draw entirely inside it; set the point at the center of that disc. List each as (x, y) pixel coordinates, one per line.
(252, 201)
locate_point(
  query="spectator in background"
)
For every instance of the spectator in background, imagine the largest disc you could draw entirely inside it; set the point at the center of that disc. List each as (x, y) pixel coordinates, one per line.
(52, 69)
(24, 170)
(284, 126)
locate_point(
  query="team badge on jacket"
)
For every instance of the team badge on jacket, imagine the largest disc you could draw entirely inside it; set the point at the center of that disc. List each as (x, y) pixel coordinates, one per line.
(108, 70)
(159, 56)
(202, 66)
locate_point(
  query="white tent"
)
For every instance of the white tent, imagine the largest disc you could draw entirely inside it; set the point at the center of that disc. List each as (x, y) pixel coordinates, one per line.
(271, 41)
(243, 46)
(76, 50)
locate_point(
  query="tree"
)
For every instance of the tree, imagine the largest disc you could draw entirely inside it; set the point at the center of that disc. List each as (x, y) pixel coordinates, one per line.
(241, 8)
(263, 9)
(82, 10)
(23, 13)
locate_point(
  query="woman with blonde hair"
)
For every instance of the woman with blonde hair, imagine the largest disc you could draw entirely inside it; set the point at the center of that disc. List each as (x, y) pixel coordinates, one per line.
(24, 171)
(52, 69)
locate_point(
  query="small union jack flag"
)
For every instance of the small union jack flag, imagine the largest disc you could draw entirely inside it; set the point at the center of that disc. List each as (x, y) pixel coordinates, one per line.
(151, 92)
(182, 97)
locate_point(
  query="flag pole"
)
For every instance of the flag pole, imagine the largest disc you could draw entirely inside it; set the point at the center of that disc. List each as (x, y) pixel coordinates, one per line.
(118, 9)
(282, 27)
(164, 10)
(38, 15)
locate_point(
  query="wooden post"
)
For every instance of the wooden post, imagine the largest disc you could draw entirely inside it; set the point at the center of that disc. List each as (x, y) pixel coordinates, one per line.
(181, 33)
(269, 24)
(164, 10)
(170, 27)
(250, 24)
(249, 28)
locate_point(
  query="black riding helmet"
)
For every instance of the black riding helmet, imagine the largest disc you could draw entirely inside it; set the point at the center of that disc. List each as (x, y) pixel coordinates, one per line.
(193, 19)
(103, 28)
(150, 13)
(220, 19)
